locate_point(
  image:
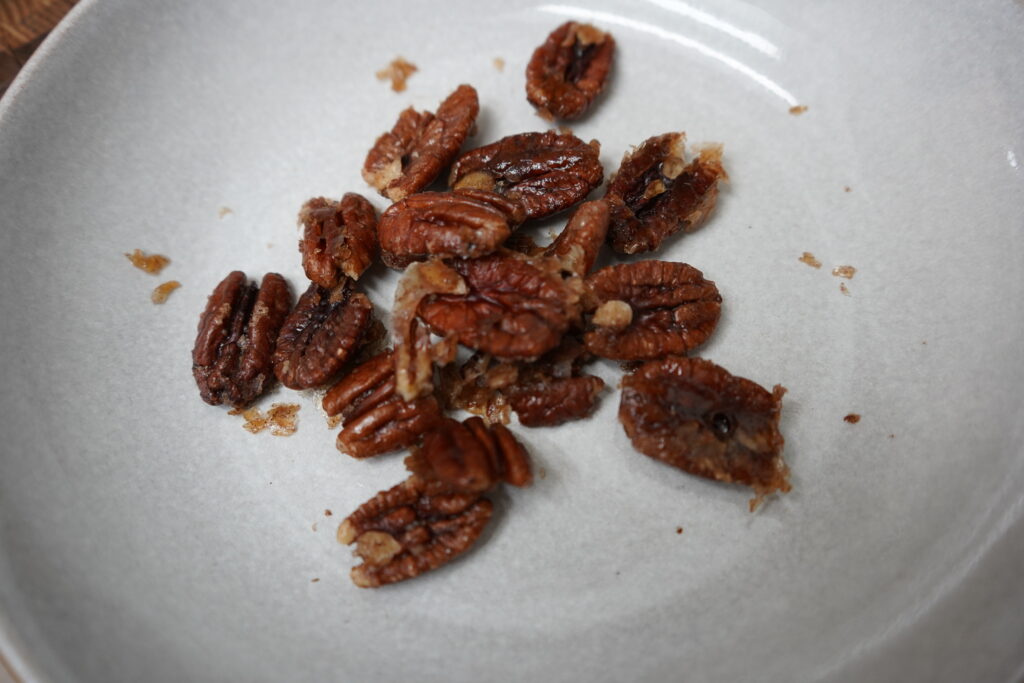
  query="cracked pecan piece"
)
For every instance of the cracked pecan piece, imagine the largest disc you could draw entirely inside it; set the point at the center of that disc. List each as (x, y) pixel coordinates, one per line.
(232, 356)
(339, 239)
(513, 307)
(374, 418)
(656, 193)
(695, 415)
(464, 223)
(412, 528)
(577, 246)
(321, 335)
(550, 401)
(471, 456)
(569, 70)
(545, 172)
(650, 309)
(411, 155)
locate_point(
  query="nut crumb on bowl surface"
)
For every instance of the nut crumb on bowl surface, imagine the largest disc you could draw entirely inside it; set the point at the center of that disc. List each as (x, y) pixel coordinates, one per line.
(148, 263)
(809, 259)
(844, 271)
(798, 109)
(163, 291)
(852, 418)
(398, 72)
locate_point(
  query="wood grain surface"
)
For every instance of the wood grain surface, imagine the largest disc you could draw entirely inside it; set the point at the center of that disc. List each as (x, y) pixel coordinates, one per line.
(23, 25)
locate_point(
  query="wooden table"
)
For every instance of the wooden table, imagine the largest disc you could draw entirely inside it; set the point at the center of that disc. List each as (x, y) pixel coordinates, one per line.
(23, 25)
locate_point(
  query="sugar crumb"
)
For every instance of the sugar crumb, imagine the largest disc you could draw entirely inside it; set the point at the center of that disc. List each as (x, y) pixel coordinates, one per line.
(844, 271)
(852, 418)
(809, 259)
(314, 580)
(798, 109)
(163, 291)
(679, 529)
(223, 211)
(398, 71)
(328, 513)
(846, 188)
(149, 263)
(499, 63)
(843, 289)
(282, 419)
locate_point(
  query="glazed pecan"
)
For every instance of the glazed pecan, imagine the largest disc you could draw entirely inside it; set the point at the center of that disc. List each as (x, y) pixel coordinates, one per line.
(471, 457)
(546, 172)
(477, 386)
(694, 415)
(569, 70)
(464, 223)
(321, 334)
(412, 528)
(650, 309)
(577, 246)
(551, 401)
(410, 156)
(339, 239)
(232, 356)
(515, 307)
(655, 193)
(414, 354)
(374, 418)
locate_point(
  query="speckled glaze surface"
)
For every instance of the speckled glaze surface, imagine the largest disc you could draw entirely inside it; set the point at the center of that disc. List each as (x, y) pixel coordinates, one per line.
(146, 536)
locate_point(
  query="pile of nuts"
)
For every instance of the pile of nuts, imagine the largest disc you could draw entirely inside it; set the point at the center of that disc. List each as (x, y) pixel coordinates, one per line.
(533, 316)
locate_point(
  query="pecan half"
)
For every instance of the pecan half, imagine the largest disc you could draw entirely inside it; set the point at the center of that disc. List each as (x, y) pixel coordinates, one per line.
(515, 307)
(374, 418)
(464, 223)
(414, 354)
(694, 415)
(410, 529)
(569, 70)
(471, 456)
(649, 309)
(546, 172)
(232, 356)
(550, 401)
(655, 193)
(339, 239)
(577, 246)
(321, 334)
(410, 156)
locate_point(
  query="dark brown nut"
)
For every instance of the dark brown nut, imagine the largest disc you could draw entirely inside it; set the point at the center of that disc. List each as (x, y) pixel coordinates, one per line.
(555, 400)
(420, 146)
(465, 223)
(569, 70)
(655, 193)
(321, 334)
(471, 457)
(580, 241)
(232, 356)
(476, 387)
(515, 307)
(414, 354)
(694, 415)
(339, 239)
(546, 172)
(650, 309)
(374, 417)
(410, 529)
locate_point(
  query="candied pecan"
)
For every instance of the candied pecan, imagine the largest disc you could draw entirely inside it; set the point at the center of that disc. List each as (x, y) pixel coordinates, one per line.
(569, 70)
(471, 456)
(414, 354)
(231, 359)
(321, 334)
(649, 309)
(464, 223)
(339, 238)
(552, 401)
(374, 418)
(694, 415)
(412, 528)
(410, 156)
(655, 193)
(546, 172)
(581, 239)
(515, 307)
(476, 387)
